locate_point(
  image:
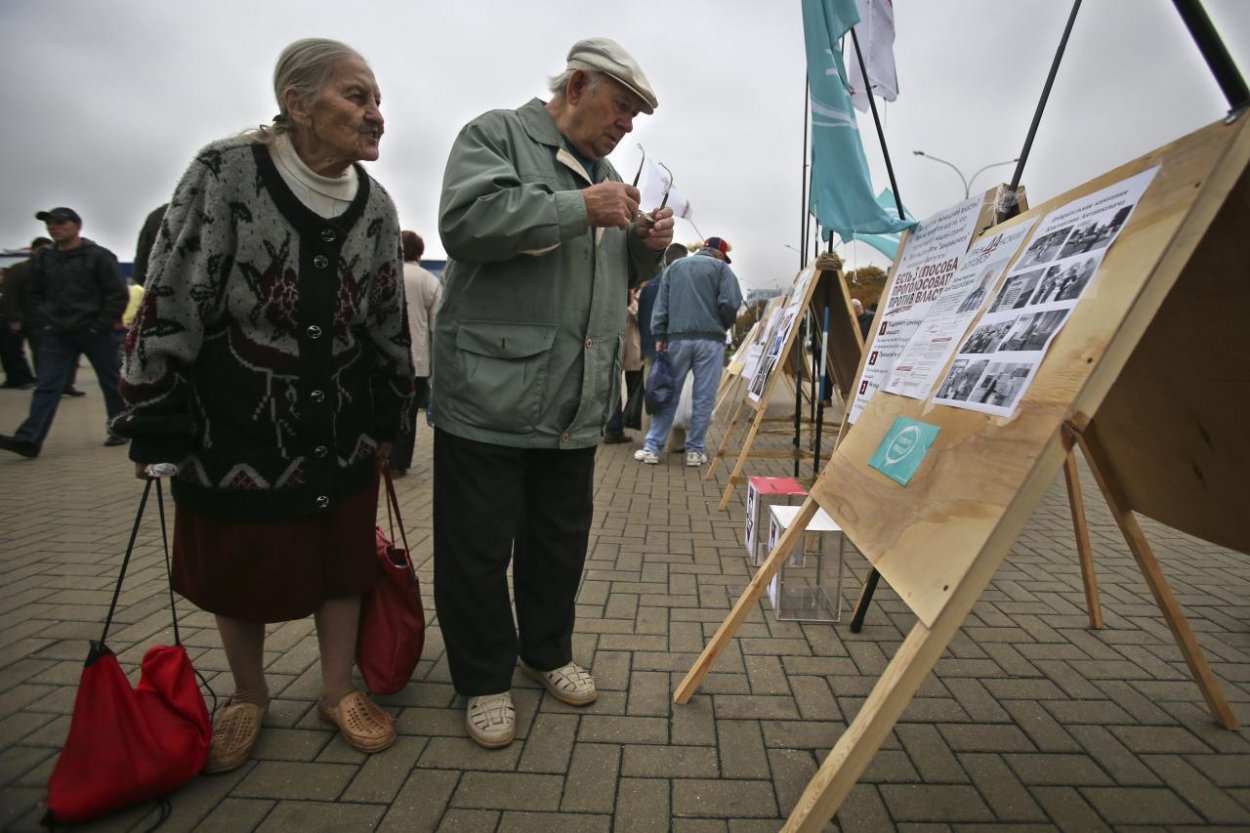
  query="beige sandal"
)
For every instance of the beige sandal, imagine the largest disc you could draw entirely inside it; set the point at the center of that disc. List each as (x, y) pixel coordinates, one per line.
(234, 734)
(364, 725)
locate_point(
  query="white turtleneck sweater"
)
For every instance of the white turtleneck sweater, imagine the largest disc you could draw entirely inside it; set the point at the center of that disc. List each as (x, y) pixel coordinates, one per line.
(328, 196)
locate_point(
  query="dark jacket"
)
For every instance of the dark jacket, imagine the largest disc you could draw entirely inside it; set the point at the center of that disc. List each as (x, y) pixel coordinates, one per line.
(78, 291)
(143, 249)
(19, 306)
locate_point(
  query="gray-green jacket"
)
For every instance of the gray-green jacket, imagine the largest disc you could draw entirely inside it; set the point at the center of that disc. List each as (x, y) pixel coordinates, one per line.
(528, 338)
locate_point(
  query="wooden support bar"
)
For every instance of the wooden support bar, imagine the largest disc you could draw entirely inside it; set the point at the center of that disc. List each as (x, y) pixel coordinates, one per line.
(1084, 552)
(1086, 434)
(794, 532)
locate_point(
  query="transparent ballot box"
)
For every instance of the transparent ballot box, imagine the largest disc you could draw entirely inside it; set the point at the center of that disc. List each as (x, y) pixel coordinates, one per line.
(808, 587)
(762, 493)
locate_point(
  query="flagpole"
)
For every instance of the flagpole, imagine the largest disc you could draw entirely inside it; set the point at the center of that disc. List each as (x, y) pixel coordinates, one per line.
(885, 151)
(1010, 210)
(1215, 54)
(803, 184)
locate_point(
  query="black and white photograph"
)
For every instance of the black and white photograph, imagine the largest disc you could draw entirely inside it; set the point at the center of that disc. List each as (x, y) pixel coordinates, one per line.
(1002, 384)
(987, 337)
(1045, 248)
(1094, 235)
(1031, 332)
(1016, 291)
(962, 379)
(1074, 279)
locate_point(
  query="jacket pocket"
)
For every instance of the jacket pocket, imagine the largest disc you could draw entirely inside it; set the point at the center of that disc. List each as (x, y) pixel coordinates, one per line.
(503, 373)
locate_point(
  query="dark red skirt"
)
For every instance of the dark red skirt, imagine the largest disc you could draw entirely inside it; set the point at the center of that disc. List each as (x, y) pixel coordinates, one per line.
(276, 571)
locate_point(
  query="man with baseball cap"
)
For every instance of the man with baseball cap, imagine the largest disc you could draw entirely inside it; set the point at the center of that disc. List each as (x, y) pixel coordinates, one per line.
(80, 295)
(698, 300)
(544, 240)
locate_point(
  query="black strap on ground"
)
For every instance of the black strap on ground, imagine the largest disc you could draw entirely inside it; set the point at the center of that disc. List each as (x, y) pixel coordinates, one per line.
(1215, 54)
(1012, 207)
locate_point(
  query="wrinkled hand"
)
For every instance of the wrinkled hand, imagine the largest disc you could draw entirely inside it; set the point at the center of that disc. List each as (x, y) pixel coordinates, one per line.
(656, 228)
(611, 204)
(141, 471)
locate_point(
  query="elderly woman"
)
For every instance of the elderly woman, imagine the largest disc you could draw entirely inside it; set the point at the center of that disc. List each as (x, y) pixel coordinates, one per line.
(270, 362)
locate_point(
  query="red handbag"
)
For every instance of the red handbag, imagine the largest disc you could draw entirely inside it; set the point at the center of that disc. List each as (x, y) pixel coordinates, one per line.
(129, 745)
(392, 620)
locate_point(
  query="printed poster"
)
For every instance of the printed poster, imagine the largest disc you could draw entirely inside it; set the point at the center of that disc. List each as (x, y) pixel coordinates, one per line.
(929, 260)
(779, 334)
(997, 361)
(919, 366)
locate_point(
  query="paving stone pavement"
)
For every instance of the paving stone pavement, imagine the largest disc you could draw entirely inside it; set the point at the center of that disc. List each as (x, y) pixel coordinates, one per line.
(1031, 722)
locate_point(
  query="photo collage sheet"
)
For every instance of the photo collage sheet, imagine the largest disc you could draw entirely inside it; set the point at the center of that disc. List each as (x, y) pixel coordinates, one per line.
(930, 257)
(778, 334)
(995, 364)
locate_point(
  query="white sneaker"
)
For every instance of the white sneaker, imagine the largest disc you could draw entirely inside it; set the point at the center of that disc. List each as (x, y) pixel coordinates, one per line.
(569, 683)
(695, 458)
(642, 455)
(491, 720)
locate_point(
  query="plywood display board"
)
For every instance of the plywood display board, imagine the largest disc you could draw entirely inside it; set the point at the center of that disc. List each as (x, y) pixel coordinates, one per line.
(1149, 376)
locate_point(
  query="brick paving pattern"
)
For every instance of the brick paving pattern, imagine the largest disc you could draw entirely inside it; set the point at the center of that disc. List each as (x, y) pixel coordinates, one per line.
(1031, 722)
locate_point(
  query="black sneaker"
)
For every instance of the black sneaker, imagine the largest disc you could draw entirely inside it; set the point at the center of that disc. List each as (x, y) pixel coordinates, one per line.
(73, 391)
(23, 447)
(114, 440)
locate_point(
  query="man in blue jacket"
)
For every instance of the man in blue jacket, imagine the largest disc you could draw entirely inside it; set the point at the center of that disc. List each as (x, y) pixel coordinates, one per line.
(698, 300)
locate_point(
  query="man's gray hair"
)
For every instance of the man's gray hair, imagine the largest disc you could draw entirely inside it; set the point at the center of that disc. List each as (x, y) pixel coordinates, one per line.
(304, 67)
(556, 84)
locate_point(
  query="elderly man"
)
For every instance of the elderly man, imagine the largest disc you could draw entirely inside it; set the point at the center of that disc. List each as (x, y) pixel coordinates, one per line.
(80, 293)
(543, 238)
(698, 300)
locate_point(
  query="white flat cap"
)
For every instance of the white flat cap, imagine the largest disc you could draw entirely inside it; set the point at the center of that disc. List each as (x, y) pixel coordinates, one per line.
(606, 55)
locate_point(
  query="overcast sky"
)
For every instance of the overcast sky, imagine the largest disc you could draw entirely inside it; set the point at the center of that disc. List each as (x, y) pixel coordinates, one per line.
(105, 103)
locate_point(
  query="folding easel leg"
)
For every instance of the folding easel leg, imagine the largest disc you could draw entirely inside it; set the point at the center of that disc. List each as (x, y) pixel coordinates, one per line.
(865, 600)
(742, 458)
(694, 677)
(1086, 434)
(856, 747)
(1072, 476)
(724, 440)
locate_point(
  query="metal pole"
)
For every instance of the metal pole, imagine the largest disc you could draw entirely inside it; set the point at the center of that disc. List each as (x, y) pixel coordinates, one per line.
(1214, 53)
(1013, 208)
(803, 213)
(872, 103)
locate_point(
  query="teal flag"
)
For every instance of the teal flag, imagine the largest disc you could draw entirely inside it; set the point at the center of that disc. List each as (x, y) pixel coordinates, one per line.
(841, 191)
(887, 244)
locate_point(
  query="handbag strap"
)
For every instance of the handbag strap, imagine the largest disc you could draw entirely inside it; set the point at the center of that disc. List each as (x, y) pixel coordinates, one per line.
(130, 548)
(392, 506)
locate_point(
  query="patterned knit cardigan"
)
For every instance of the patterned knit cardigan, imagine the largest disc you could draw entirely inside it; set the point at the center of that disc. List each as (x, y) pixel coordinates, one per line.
(270, 355)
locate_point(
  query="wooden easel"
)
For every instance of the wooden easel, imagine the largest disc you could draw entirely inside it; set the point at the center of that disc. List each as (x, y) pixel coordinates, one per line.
(819, 278)
(1165, 440)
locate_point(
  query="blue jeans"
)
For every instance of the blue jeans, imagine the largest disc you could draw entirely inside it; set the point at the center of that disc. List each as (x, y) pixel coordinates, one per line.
(58, 356)
(706, 359)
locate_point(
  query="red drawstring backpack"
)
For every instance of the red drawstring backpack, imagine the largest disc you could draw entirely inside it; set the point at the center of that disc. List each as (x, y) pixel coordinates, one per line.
(392, 619)
(129, 745)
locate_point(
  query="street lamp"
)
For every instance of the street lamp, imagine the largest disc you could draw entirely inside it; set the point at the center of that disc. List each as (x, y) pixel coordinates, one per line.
(967, 181)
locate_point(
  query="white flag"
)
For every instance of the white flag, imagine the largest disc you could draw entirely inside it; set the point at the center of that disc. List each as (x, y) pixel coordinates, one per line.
(653, 184)
(875, 32)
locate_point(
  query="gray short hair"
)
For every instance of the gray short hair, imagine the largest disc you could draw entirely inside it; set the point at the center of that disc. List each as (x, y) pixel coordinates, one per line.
(556, 84)
(304, 67)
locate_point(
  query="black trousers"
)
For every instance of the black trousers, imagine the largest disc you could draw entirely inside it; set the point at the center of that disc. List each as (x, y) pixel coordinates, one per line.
(494, 504)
